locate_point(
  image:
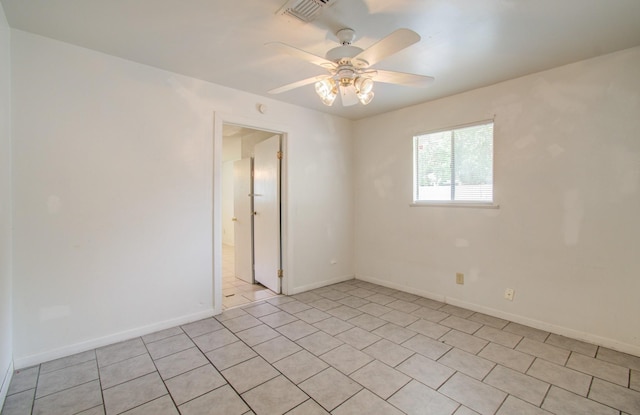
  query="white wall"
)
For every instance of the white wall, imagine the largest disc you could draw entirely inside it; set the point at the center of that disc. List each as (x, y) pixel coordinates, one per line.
(567, 178)
(6, 335)
(113, 176)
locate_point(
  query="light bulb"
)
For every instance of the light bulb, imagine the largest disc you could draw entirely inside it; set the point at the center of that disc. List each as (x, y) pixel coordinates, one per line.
(365, 98)
(327, 91)
(363, 85)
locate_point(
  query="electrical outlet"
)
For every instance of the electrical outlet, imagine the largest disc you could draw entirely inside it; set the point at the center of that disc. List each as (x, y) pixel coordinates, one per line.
(508, 294)
(459, 278)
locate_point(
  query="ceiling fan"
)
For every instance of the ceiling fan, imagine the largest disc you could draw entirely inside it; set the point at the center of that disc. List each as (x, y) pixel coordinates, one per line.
(350, 74)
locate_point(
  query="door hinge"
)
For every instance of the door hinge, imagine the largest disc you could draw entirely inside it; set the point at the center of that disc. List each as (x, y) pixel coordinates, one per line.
(280, 273)
(280, 154)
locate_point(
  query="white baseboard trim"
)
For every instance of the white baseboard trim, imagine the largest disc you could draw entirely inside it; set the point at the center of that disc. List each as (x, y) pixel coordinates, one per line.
(401, 287)
(6, 381)
(551, 328)
(298, 290)
(35, 359)
(527, 321)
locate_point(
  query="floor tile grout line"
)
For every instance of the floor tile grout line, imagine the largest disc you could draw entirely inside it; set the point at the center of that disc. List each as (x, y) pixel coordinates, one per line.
(104, 404)
(495, 365)
(160, 376)
(65, 367)
(120, 361)
(485, 346)
(123, 360)
(519, 341)
(503, 401)
(182, 373)
(510, 394)
(324, 370)
(590, 386)
(93, 407)
(65, 389)
(545, 395)
(192, 399)
(35, 390)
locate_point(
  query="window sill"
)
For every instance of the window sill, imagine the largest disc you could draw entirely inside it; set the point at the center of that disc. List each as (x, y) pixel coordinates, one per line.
(475, 205)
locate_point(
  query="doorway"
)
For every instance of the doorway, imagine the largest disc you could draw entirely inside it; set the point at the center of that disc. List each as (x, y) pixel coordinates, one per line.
(251, 230)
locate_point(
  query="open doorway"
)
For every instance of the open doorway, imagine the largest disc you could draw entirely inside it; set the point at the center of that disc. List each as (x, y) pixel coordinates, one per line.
(251, 231)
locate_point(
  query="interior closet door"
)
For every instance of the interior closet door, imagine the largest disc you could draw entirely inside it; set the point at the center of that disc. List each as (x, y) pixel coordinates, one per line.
(243, 219)
(266, 206)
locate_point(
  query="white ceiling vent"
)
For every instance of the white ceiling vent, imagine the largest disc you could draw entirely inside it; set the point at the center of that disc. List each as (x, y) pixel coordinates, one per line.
(305, 10)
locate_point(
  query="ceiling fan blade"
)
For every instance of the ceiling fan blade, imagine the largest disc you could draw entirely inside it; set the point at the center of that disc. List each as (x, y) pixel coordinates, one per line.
(348, 95)
(298, 84)
(395, 42)
(301, 54)
(401, 78)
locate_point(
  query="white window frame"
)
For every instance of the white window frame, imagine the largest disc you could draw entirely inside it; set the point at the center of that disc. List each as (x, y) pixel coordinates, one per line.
(451, 203)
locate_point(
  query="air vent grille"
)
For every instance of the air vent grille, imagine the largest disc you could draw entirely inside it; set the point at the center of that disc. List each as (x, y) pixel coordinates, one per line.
(305, 10)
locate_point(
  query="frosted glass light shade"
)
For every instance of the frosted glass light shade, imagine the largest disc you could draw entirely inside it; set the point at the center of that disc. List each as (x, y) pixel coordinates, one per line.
(327, 91)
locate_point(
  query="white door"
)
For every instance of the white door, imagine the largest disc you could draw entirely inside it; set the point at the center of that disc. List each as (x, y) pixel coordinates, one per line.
(242, 218)
(266, 206)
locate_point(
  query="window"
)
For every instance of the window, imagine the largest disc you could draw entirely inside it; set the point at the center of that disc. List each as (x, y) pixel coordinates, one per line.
(454, 166)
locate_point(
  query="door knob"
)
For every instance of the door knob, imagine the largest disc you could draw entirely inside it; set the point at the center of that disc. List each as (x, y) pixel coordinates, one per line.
(234, 219)
(255, 213)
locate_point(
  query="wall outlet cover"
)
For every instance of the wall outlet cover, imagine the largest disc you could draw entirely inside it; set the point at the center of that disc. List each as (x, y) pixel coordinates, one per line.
(509, 293)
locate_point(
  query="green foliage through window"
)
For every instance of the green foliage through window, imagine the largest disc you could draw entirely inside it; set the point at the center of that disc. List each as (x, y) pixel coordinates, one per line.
(455, 165)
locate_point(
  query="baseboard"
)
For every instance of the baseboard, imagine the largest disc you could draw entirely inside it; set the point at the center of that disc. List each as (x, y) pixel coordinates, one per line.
(6, 381)
(551, 328)
(27, 361)
(298, 290)
(401, 287)
(516, 318)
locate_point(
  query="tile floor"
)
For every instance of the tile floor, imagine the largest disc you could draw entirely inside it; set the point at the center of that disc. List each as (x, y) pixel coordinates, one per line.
(236, 292)
(350, 348)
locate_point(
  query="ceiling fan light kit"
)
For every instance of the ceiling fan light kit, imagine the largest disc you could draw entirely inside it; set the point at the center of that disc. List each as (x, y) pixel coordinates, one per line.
(349, 70)
(327, 89)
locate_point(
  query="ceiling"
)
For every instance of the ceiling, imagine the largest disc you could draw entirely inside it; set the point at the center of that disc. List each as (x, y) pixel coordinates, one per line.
(465, 44)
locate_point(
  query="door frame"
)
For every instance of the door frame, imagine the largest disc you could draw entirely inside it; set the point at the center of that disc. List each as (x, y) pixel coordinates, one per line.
(219, 119)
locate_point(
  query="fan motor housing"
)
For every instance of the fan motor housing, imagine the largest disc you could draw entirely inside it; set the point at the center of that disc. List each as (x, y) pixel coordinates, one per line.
(345, 51)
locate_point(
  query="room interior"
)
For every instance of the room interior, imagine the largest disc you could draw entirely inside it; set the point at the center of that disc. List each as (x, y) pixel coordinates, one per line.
(111, 139)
